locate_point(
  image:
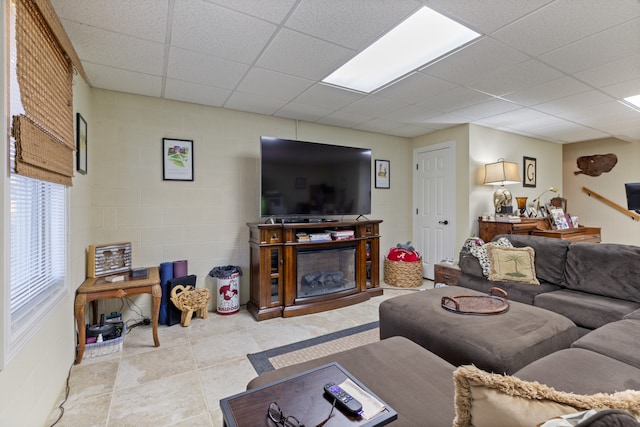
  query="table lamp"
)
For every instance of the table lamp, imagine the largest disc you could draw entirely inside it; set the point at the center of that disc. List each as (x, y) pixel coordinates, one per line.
(502, 173)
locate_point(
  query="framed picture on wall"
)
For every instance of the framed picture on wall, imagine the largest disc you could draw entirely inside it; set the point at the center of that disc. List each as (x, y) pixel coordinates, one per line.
(529, 174)
(81, 144)
(383, 174)
(177, 159)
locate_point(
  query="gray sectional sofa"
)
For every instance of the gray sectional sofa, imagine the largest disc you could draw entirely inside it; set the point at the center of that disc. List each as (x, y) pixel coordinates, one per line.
(591, 284)
(595, 286)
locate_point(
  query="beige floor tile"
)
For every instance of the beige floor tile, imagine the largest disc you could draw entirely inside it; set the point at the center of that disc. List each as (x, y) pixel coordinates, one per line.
(181, 382)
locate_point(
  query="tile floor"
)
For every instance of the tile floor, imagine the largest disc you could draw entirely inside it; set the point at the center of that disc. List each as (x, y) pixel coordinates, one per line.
(181, 382)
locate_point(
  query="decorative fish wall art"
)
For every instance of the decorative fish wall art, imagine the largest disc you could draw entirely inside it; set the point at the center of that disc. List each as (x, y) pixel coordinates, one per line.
(597, 164)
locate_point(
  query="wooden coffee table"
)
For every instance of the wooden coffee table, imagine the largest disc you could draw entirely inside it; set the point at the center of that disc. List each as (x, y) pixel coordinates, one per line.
(301, 396)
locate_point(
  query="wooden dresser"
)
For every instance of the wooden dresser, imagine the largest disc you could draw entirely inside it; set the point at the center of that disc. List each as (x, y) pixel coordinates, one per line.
(487, 230)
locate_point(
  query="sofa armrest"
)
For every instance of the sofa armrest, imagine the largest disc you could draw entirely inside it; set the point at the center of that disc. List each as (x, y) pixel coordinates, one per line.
(470, 265)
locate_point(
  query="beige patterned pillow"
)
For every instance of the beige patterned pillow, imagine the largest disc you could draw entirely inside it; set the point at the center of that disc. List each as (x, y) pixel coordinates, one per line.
(495, 400)
(512, 264)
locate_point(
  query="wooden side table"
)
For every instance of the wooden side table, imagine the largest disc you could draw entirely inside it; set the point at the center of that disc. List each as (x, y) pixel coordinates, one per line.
(446, 273)
(94, 289)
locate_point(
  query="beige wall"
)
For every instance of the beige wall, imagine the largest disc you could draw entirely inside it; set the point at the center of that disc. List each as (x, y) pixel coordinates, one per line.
(204, 221)
(478, 145)
(616, 226)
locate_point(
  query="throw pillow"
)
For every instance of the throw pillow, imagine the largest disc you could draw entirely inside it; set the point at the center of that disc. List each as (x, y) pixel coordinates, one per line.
(512, 264)
(487, 399)
(478, 249)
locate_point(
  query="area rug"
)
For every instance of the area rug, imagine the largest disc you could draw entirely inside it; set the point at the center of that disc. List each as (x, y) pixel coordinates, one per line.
(314, 348)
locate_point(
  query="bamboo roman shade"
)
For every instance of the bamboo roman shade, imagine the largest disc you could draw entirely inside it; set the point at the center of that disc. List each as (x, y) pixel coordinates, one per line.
(44, 134)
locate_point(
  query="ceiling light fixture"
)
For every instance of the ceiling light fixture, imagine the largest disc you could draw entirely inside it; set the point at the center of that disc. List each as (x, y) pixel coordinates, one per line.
(632, 102)
(424, 36)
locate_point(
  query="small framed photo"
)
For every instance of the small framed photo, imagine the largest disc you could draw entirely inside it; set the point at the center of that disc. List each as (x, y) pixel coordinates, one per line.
(529, 174)
(177, 159)
(383, 174)
(81, 144)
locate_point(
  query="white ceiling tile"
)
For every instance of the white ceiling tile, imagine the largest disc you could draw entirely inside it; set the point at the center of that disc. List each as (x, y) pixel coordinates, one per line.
(563, 22)
(273, 84)
(479, 58)
(297, 111)
(145, 19)
(195, 93)
(624, 89)
(607, 46)
(572, 106)
(321, 95)
(342, 119)
(354, 24)
(525, 118)
(380, 126)
(454, 99)
(254, 103)
(204, 69)
(300, 55)
(547, 91)
(274, 11)
(613, 72)
(104, 47)
(410, 131)
(218, 31)
(445, 120)
(483, 18)
(486, 109)
(411, 114)
(123, 80)
(374, 106)
(519, 76)
(415, 88)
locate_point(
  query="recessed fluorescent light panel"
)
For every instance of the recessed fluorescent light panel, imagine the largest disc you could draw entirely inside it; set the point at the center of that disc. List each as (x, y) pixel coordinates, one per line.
(421, 38)
(634, 101)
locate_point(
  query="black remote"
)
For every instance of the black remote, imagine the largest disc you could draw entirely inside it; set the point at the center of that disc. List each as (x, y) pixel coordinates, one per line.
(343, 399)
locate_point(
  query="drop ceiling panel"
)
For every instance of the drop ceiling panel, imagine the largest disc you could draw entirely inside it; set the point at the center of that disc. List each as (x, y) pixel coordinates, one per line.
(269, 58)
(303, 56)
(218, 31)
(273, 84)
(415, 88)
(478, 59)
(484, 18)
(123, 80)
(354, 24)
(204, 69)
(557, 25)
(274, 11)
(98, 46)
(145, 19)
(607, 46)
(195, 93)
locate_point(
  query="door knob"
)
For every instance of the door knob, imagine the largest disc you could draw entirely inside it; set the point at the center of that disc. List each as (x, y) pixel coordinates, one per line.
(445, 222)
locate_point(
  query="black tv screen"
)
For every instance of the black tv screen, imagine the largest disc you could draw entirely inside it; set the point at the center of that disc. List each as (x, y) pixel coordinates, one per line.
(309, 179)
(633, 195)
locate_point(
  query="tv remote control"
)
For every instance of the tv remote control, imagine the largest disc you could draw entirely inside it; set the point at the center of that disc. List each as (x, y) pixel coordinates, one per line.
(343, 399)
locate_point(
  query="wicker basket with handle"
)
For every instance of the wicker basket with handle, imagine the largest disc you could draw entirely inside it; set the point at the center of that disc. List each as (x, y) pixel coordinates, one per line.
(403, 274)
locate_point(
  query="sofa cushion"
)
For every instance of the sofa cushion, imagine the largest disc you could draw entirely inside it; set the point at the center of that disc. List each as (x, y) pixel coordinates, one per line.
(582, 371)
(486, 399)
(619, 340)
(593, 418)
(516, 291)
(586, 310)
(416, 383)
(551, 255)
(605, 269)
(512, 264)
(633, 315)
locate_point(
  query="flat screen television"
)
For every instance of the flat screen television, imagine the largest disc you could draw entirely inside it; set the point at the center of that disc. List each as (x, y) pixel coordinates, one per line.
(633, 196)
(313, 180)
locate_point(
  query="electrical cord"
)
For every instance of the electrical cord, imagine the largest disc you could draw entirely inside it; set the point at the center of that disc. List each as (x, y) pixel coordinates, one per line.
(67, 389)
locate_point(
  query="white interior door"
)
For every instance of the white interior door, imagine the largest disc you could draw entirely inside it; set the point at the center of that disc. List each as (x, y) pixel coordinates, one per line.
(434, 205)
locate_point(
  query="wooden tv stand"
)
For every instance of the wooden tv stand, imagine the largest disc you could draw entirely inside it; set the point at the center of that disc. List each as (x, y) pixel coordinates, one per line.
(274, 250)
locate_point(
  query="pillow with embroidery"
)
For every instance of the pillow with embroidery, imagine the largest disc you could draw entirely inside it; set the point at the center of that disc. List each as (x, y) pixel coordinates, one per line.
(512, 264)
(478, 249)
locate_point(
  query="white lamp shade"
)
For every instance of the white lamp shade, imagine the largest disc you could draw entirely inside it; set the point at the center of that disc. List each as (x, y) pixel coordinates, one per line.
(501, 172)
